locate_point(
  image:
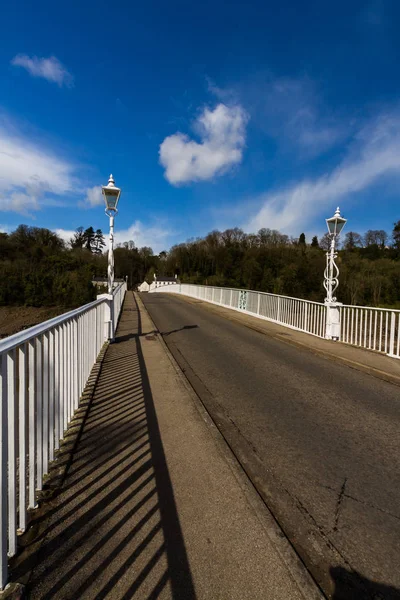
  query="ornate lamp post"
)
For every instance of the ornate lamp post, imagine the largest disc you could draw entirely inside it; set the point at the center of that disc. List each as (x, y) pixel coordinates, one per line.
(335, 225)
(111, 196)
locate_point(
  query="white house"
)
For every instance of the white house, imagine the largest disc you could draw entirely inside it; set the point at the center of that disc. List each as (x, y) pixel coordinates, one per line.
(162, 281)
(143, 287)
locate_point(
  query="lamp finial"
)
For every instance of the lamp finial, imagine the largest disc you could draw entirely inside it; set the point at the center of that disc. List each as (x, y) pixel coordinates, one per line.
(111, 182)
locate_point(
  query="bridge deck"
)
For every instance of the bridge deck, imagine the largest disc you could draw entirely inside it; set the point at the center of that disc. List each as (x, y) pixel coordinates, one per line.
(318, 439)
(153, 505)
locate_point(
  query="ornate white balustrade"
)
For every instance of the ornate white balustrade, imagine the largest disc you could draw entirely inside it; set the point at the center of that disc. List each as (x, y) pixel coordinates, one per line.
(372, 328)
(292, 312)
(43, 372)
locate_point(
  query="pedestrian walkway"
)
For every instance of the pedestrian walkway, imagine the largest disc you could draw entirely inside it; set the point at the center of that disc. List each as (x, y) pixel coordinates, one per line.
(154, 505)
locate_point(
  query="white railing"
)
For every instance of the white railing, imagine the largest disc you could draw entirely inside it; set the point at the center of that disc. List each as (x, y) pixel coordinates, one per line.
(43, 372)
(376, 329)
(372, 328)
(118, 299)
(291, 312)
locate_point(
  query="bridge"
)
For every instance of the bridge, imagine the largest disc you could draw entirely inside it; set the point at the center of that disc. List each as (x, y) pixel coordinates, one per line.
(221, 447)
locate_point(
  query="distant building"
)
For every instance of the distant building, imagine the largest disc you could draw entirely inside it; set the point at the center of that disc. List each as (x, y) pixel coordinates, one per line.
(161, 281)
(103, 281)
(143, 287)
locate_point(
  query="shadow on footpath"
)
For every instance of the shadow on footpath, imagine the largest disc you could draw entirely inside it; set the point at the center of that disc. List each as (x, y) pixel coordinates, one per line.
(180, 329)
(350, 585)
(114, 529)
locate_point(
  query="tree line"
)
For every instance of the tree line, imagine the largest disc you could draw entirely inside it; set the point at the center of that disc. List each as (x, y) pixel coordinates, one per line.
(270, 261)
(37, 268)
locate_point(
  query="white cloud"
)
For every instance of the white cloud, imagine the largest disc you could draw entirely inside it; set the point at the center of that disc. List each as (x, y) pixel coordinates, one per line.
(47, 68)
(156, 236)
(375, 153)
(222, 133)
(226, 95)
(294, 111)
(33, 176)
(94, 197)
(65, 234)
(28, 172)
(291, 111)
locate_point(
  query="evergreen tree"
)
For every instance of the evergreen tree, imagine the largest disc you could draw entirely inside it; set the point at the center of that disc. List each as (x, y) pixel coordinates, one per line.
(150, 275)
(89, 235)
(396, 235)
(98, 242)
(314, 242)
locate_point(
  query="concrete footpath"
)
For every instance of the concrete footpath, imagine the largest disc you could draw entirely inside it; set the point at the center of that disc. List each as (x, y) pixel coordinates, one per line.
(154, 504)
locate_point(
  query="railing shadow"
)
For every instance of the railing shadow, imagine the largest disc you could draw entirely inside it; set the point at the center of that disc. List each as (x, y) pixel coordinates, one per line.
(114, 529)
(180, 329)
(350, 585)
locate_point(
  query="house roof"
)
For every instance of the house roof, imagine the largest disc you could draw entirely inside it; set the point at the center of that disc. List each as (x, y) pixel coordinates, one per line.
(105, 279)
(166, 279)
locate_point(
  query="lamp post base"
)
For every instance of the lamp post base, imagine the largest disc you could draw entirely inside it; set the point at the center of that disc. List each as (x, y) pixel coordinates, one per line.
(332, 324)
(109, 325)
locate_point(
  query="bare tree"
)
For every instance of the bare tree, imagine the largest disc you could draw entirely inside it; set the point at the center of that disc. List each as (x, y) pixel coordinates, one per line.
(325, 242)
(78, 238)
(375, 237)
(352, 240)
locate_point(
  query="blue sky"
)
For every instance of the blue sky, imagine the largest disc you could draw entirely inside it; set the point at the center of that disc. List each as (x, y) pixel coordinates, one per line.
(209, 115)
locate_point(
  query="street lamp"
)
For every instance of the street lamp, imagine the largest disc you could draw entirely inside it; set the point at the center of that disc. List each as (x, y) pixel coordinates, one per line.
(111, 196)
(335, 225)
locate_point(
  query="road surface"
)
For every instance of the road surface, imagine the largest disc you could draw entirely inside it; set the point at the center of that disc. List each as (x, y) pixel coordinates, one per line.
(319, 440)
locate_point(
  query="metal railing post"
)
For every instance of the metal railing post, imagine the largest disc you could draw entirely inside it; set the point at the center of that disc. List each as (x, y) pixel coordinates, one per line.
(3, 473)
(22, 397)
(305, 320)
(12, 455)
(108, 316)
(391, 337)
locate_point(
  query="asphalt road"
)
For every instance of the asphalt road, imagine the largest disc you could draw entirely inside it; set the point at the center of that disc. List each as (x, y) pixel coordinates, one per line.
(319, 440)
